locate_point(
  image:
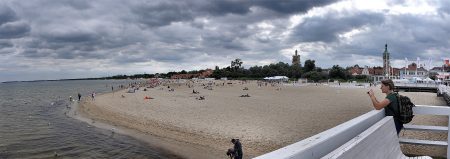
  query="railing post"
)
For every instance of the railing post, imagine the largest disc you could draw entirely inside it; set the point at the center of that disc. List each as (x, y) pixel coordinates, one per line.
(448, 138)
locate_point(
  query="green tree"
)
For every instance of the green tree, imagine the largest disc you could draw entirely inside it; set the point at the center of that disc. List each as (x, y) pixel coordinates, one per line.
(313, 75)
(256, 72)
(236, 64)
(295, 72)
(309, 65)
(217, 73)
(337, 72)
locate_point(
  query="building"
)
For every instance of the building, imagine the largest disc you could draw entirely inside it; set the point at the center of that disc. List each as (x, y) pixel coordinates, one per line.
(202, 74)
(386, 62)
(205, 74)
(386, 72)
(356, 70)
(365, 71)
(296, 59)
(437, 69)
(413, 71)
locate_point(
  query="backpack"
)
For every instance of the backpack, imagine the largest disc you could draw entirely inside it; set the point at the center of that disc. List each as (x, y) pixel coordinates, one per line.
(405, 109)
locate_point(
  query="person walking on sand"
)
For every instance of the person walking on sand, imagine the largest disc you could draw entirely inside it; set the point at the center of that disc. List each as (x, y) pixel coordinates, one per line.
(237, 149)
(390, 103)
(79, 96)
(93, 95)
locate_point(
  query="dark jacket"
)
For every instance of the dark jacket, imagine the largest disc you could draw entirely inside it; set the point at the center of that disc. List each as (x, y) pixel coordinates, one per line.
(238, 148)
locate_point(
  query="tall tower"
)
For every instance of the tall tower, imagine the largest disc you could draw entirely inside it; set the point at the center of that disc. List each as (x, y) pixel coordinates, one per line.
(296, 59)
(386, 63)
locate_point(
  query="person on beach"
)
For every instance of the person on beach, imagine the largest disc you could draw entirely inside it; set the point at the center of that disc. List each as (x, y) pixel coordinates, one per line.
(93, 95)
(237, 148)
(79, 97)
(230, 153)
(390, 103)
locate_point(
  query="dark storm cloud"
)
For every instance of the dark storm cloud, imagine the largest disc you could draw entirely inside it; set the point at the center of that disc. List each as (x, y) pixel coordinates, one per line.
(78, 4)
(327, 28)
(7, 14)
(291, 6)
(408, 36)
(225, 7)
(6, 47)
(411, 36)
(160, 56)
(14, 30)
(10, 25)
(166, 12)
(163, 13)
(223, 42)
(5, 44)
(76, 30)
(243, 7)
(71, 37)
(194, 32)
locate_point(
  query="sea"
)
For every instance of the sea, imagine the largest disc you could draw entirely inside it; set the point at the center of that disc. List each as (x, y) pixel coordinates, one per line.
(33, 124)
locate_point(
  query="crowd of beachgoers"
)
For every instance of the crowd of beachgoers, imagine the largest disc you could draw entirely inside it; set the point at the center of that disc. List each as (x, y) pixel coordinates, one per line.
(263, 115)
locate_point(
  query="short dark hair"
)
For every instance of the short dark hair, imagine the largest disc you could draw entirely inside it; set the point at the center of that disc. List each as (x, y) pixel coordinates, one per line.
(388, 82)
(233, 140)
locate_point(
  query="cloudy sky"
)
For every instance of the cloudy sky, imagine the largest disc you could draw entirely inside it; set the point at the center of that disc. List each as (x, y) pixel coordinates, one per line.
(54, 39)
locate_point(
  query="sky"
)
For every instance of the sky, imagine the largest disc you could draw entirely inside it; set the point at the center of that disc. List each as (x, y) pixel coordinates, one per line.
(61, 39)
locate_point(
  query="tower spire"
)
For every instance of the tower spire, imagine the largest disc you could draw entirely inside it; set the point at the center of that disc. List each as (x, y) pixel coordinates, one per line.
(386, 62)
(296, 59)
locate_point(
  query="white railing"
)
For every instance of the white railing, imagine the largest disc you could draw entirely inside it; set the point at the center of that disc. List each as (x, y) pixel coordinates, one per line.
(444, 89)
(434, 85)
(325, 142)
(349, 85)
(429, 110)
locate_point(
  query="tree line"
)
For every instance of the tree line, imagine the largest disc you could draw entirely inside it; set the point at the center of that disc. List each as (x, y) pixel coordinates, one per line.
(237, 71)
(308, 70)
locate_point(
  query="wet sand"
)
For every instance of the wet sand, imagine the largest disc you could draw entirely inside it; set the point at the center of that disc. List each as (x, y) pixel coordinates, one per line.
(272, 117)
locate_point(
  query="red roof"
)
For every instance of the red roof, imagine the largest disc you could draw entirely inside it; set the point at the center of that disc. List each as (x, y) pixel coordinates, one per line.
(204, 74)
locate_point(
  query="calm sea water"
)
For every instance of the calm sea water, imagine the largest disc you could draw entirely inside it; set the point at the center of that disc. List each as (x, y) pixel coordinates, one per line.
(33, 124)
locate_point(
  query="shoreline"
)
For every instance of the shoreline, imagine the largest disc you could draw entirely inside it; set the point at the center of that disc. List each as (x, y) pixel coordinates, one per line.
(171, 146)
(265, 124)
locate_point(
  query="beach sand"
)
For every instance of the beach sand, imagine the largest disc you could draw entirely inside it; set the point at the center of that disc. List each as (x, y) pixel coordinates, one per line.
(267, 120)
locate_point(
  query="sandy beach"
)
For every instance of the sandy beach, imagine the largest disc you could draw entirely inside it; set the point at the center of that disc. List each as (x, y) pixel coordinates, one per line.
(272, 117)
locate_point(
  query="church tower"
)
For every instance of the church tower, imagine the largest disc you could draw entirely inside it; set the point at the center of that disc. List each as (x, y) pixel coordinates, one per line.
(386, 62)
(296, 59)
